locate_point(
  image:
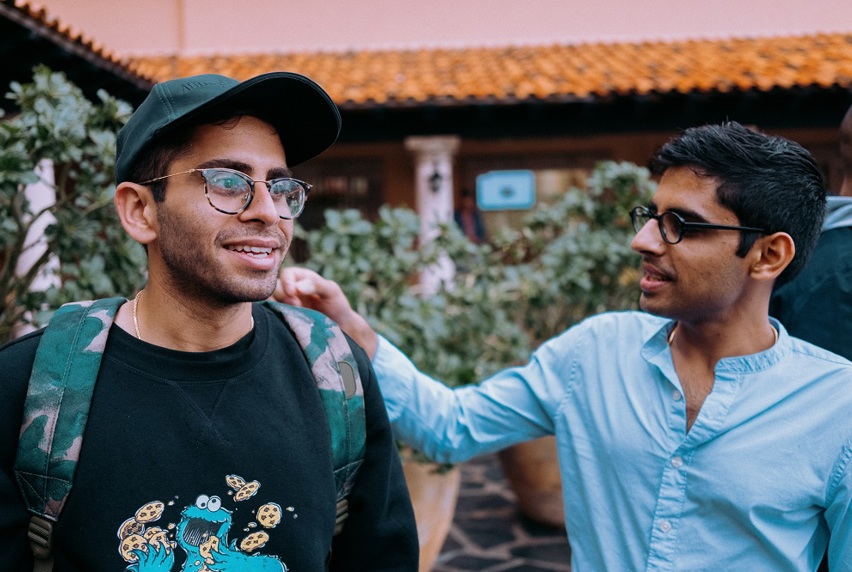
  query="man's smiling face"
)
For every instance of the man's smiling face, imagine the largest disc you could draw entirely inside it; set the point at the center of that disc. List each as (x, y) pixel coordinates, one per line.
(210, 255)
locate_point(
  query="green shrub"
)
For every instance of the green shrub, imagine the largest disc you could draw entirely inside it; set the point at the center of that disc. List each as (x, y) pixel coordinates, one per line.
(568, 260)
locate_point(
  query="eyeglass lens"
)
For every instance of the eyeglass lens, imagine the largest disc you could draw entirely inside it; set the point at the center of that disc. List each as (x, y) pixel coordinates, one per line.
(231, 192)
(671, 227)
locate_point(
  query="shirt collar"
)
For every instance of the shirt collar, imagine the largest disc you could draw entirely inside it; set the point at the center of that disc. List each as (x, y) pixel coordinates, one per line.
(656, 350)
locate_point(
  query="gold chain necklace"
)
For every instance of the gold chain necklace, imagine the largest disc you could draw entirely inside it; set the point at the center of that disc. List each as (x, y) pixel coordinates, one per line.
(136, 315)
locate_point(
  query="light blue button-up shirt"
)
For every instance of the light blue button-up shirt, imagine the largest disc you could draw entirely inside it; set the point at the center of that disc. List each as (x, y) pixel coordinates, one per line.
(762, 480)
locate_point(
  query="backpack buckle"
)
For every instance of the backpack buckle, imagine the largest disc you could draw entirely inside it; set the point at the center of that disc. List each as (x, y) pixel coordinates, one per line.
(342, 513)
(40, 534)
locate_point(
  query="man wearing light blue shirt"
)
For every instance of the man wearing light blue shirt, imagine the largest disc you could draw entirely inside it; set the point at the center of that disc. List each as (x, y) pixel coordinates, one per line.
(697, 435)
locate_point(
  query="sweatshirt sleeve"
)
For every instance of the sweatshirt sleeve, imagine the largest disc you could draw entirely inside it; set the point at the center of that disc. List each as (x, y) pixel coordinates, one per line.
(380, 533)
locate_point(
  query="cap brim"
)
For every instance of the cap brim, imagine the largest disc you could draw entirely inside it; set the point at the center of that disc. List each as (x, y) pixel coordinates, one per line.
(307, 120)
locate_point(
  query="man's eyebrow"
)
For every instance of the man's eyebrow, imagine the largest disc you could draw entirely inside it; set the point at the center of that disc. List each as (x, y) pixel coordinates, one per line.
(227, 164)
(275, 173)
(684, 213)
(689, 215)
(279, 173)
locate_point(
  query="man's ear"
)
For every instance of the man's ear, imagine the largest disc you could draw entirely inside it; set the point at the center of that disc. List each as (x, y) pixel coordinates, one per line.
(774, 252)
(137, 210)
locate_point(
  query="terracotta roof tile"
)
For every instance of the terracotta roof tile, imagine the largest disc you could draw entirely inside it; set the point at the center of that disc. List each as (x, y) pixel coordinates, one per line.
(547, 73)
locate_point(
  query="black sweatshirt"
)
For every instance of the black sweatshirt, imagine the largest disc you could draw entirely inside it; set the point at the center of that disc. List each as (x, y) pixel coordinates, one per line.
(231, 443)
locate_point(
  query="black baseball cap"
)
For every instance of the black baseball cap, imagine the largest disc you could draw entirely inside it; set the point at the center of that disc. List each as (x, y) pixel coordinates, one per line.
(306, 118)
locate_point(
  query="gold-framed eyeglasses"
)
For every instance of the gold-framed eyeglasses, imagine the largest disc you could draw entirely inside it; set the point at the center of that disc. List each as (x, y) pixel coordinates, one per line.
(231, 192)
(672, 226)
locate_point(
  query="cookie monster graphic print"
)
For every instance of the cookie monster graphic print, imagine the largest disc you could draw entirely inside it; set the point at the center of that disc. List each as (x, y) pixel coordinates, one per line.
(202, 534)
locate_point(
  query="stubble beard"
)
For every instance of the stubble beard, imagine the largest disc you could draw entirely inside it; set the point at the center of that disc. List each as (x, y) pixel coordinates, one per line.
(201, 277)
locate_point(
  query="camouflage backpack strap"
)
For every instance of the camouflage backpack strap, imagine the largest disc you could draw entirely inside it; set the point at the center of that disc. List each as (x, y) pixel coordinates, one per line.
(55, 413)
(339, 383)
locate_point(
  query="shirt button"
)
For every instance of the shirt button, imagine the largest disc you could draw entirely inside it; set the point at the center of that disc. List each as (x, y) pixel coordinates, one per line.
(665, 526)
(677, 462)
(676, 395)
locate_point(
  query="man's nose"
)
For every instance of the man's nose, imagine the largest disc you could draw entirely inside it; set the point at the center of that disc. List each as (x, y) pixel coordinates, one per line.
(261, 207)
(648, 238)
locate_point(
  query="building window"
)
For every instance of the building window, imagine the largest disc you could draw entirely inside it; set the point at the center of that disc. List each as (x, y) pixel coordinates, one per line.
(338, 184)
(341, 184)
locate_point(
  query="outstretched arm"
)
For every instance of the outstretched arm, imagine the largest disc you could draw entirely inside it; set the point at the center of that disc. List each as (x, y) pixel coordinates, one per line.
(305, 288)
(447, 425)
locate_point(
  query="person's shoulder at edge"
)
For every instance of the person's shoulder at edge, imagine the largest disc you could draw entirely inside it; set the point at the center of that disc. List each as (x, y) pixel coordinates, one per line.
(23, 341)
(17, 356)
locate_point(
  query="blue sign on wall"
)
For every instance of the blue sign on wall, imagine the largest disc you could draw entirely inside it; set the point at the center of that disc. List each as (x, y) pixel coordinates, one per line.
(505, 190)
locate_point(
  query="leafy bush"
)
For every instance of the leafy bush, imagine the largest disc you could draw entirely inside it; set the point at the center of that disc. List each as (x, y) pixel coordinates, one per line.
(94, 256)
(569, 260)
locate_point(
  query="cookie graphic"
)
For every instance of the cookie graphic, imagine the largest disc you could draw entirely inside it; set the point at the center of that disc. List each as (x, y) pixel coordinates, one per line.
(156, 535)
(207, 546)
(269, 515)
(132, 542)
(254, 541)
(130, 526)
(246, 491)
(236, 482)
(150, 512)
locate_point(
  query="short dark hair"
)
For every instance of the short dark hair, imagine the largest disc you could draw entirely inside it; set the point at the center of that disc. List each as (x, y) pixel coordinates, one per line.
(767, 181)
(154, 161)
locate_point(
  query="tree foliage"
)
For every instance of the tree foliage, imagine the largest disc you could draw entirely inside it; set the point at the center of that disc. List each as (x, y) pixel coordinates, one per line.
(84, 252)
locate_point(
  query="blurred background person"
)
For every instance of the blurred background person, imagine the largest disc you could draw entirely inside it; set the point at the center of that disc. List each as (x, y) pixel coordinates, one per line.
(469, 219)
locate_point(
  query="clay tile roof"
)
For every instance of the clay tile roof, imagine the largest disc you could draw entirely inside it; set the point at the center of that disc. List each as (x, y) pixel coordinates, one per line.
(36, 18)
(545, 73)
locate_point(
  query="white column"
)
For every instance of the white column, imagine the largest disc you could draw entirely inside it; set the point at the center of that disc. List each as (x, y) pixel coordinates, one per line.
(434, 197)
(40, 196)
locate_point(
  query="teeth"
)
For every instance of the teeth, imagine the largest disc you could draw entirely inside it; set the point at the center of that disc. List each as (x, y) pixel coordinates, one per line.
(252, 249)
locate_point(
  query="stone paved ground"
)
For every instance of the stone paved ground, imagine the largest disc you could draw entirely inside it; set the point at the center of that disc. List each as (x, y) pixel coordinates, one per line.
(489, 534)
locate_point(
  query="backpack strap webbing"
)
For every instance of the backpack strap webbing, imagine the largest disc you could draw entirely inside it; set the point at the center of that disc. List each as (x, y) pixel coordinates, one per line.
(339, 383)
(55, 413)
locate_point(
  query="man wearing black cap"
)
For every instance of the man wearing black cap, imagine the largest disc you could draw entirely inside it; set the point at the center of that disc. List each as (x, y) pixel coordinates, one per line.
(207, 441)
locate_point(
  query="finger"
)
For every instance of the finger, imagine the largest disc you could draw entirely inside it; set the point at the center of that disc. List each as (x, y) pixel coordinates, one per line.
(292, 274)
(306, 286)
(285, 286)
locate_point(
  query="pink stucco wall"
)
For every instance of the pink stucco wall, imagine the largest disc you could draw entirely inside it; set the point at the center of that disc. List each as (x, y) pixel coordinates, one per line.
(134, 27)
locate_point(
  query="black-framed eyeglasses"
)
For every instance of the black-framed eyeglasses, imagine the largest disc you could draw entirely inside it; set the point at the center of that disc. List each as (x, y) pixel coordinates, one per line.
(672, 226)
(231, 192)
